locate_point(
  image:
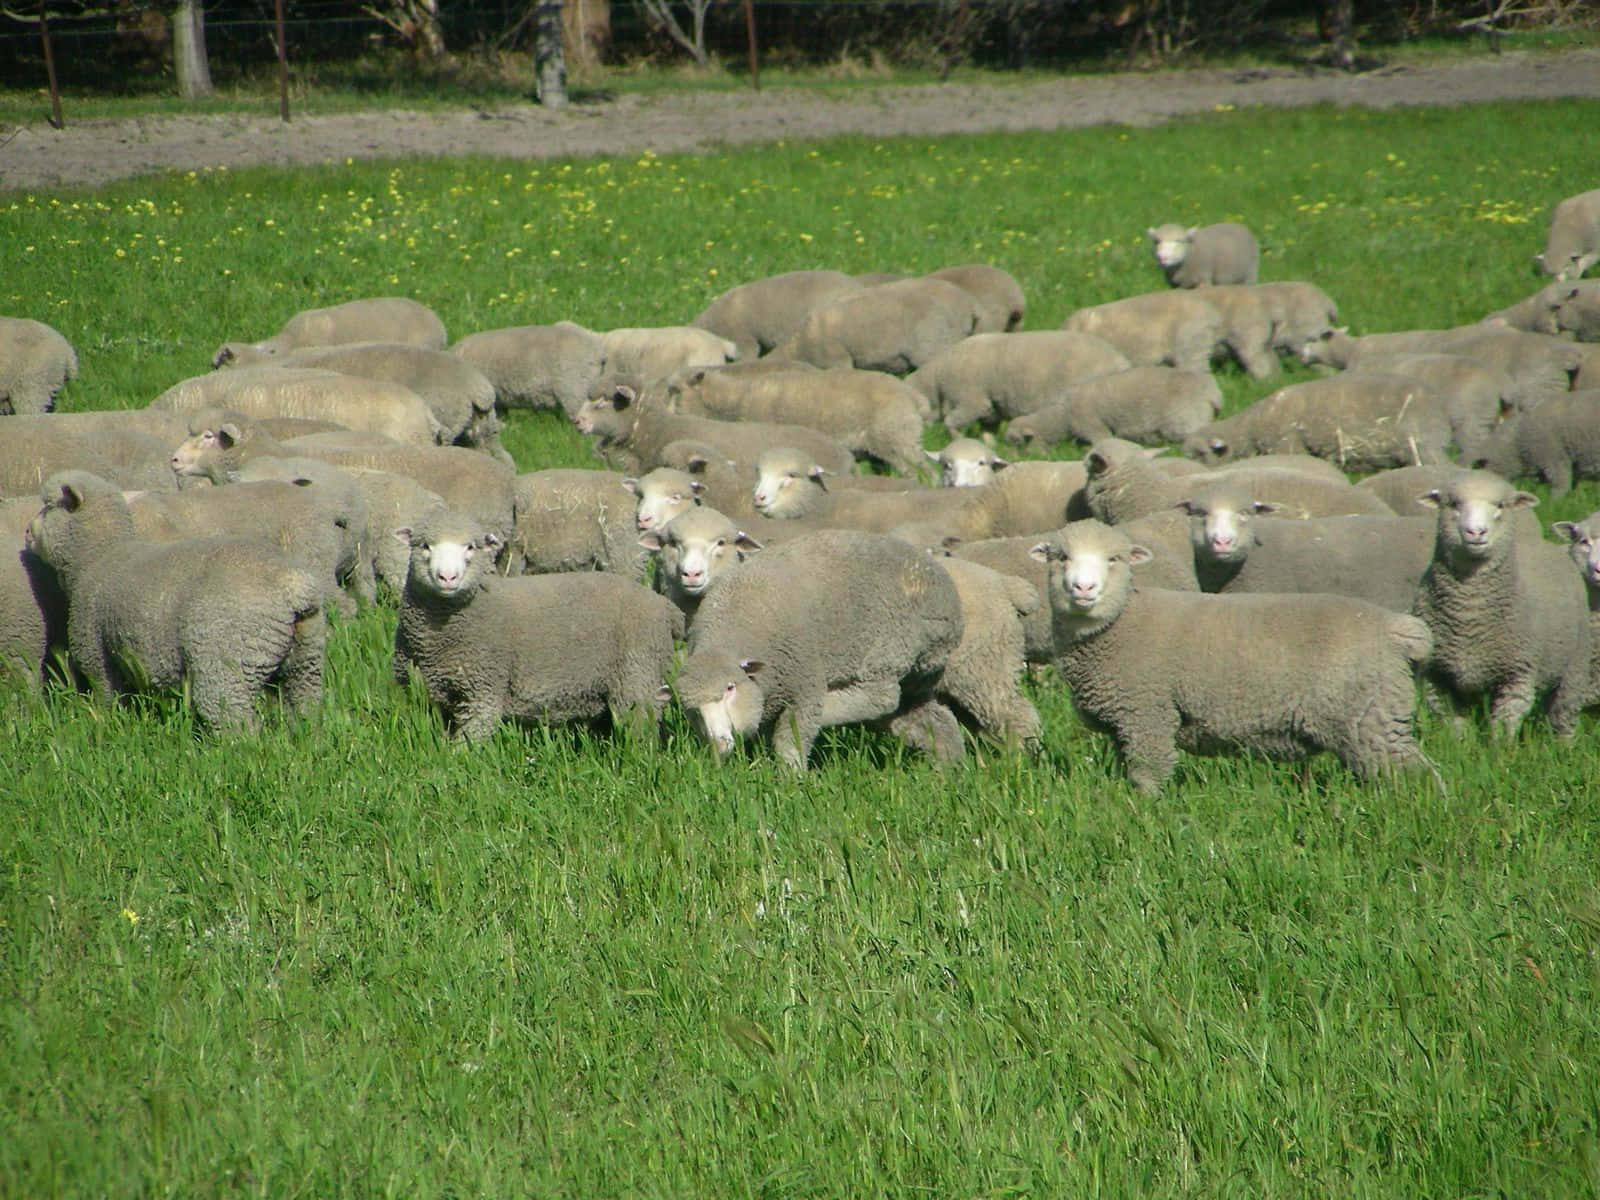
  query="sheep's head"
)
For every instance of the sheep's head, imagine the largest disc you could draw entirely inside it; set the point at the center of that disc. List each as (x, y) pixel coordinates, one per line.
(1088, 577)
(788, 483)
(450, 557)
(1477, 511)
(722, 694)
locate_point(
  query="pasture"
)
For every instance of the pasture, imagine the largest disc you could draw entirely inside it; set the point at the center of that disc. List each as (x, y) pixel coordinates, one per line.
(347, 959)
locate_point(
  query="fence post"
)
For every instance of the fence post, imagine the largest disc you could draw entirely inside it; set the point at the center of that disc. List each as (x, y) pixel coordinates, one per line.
(750, 39)
(50, 69)
(549, 62)
(283, 62)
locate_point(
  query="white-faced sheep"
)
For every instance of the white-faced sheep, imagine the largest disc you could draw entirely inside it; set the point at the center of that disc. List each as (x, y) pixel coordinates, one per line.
(1572, 244)
(34, 447)
(1335, 347)
(895, 327)
(1283, 676)
(536, 366)
(693, 550)
(1157, 329)
(1149, 405)
(1509, 617)
(1207, 255)
(36, 362)
(992, 376)
(1001, 304)
(1583, 546)
(834, 628)
(760, 315)
(1557, 442)
(967, 462)
(223, 617)
(789, 486)
(663, 494)
(1578, 313)
(577, 646)
(374, 319)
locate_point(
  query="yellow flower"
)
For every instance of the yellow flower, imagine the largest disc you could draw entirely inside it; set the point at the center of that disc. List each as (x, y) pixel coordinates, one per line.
(130, 916)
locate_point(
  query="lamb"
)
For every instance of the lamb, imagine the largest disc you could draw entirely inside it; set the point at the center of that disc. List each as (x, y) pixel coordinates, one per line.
(1361, 421)
(1150, 405)
(36, 362)
(1247, 327)
(1557, 442)
(575, 520)
(694, 549)
(1172, 329)
(33, 608)
(34, 447)
(1300, 312)
(992, 376)
(1374, 558)
(393, 501)
(582, 645)
(222, 617)
(1509, 618)
(894, 327)
(1572, 245)
(980, 680)
(761, 315)
(1210, 674)
(967, 462)
(1207, 255)
(630, 432)
(1001, 304)
(367, 405)
(1583, 546)
(375, 319)
(536, 366)
(651, 355)
(460, 397)
(1476, 395)
(1123, 484)
(835, 627)
(870, 414)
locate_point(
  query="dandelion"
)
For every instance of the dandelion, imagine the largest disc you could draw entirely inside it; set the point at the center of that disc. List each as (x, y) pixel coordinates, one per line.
(130, 916)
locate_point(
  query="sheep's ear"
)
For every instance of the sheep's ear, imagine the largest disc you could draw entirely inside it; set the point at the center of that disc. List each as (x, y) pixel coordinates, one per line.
(1190, 507)
(622, 396)
(69, 497)
(1217, 446)
(224, 355)
(301, 481)
(228, 435)
(1191, 231)
(1265, 508)
(403, 535)
(1572, 294)
(752, 666)
(491, 541)
(1567, 531)
(630, 484)
(1432, 498)
(664, 694)
(950, 542)
(1046, 552)
(745, 542)
(1095, 463)
(650, 541)
(1150, 232)
(697, 377)
(999, 464)
(1138, 554)
(817, 475)
(697, 465)
(697, 488)
(1523, 500)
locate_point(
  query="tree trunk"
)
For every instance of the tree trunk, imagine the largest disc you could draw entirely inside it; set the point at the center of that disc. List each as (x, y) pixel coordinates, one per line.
(549, 64)
(189, 60)
(1340, 24)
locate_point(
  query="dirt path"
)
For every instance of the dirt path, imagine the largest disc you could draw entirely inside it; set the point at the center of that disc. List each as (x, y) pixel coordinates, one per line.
(98, 151)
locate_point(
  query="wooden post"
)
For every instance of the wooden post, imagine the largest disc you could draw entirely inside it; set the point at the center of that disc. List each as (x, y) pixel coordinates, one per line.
(283, 63)
(50, 69)
(750, 38)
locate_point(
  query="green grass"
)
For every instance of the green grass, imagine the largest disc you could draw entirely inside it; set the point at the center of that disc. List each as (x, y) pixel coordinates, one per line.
(345, 959)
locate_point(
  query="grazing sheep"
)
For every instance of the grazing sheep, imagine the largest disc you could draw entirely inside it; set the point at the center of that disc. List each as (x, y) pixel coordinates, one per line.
(536, 366)
(1509, 618)
(980, 681)
(1583, 547)
(1157, 329)
(221, 616)
(992, 376)
(1280, 675)
(967, 462)
(1476, 396)
(1378, 559)
(394, 501)
(33, 608)
(1557, 442)
(1539, 366)
(376, 319)
(219, 444)
(1572, 245)
(1578, 312)
(36, 362)
(871, 414)
(581, 645)
(761, 315)
(631, 431)
(1150, 405)
(694, 549)
(1360, 421)
(364, 405)
(1535, 313)
(1001, 304)
(574, 520)
(832, 628)
(895, 327)
(34, 447)
(652, 354)
(1207, 255)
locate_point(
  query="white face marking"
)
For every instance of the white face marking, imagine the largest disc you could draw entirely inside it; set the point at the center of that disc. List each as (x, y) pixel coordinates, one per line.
(1474, 520)
(716, 720)
(656, 508)
(1083, 576)
(1172, 251)
(447, 564)
(967, 472)
(696, 563)
(1224, 531)
(769, 485)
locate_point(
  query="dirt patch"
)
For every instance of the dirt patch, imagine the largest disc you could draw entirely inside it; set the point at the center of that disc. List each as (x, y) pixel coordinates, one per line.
(92, 152)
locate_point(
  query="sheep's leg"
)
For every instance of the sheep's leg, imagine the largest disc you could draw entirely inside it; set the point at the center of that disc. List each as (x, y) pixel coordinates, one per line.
(1512, 702)
(300, 678)
(794, 732)
(222, 694)
(1566, 702)
(864, 701)
(1150, 749)
(966, 409)
(931, 728)
(473, 721)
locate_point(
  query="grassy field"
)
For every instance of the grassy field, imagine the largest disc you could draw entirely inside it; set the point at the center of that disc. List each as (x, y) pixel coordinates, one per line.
(345, 959)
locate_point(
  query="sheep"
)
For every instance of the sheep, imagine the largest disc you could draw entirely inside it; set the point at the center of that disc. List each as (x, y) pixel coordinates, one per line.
(1572, 245)
(663, 494)
(575, 520)
(1247, 327)
(368, 405)
(1334, 347)
(630, 431)
(573, 646)
(1399, 487)
(1578, 311)
(694, 549)
(870, 414)
(1300, 312)
(789, 486)
(1150, 405)
(1156, 329)
(1373, 558)
(393, 501)
(1476, 395)
(992, 376)
(894, 327)
(363, 508)
(536, 366)
(1001, 303)
(1361, 421)
(1540, 366)
(1123, 484)
(220, 616)
(761, 315)
(35, 446)
(652, 354)
(33, 608)
(1280, 675)
(980, 680)
(375, 319)
(1509, 618)
(1583, 547)
(1207, 255)
(835, 627)
(461, 397)
(1557, 442)
(36, 362)
(1535, 313)
(967, 462)
(1587, 375)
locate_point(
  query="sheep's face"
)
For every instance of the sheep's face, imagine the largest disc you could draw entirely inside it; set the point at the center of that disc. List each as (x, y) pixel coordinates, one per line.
(1207, 447)
(1220, 524)
(1330, 346)
(611, 414)
(1089, 573)
(965, 463)
(722, 696)
(446, 563)
(664, 494)
(698, 548)
(1583, 544)
(1476, 514)
(787, 486)
(202, 452)
(1171, 244)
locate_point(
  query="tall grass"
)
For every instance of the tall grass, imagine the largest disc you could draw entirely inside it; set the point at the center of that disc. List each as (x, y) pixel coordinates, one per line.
(345, 959)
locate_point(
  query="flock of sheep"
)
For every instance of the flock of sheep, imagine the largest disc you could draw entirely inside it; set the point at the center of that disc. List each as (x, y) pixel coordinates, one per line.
(1244, 596)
